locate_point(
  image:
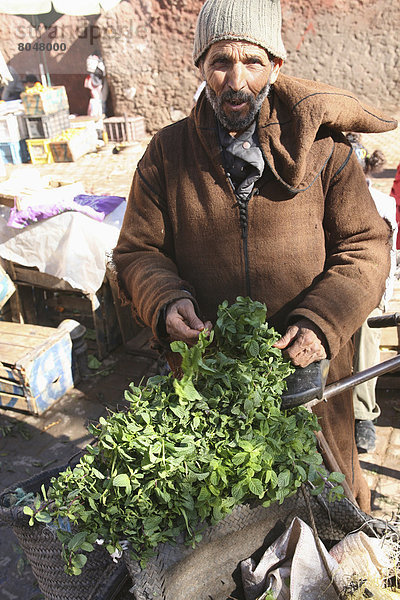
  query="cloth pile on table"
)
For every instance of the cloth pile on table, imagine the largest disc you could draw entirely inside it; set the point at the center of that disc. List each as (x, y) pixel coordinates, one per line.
(36, 198)
(96, 207)
(70, 245)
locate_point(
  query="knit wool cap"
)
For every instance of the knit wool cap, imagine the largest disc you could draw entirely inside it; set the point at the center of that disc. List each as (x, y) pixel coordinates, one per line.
(255, 21)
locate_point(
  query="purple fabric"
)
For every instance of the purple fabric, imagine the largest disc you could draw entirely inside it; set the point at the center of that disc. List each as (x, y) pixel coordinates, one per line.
(101, 204)
(96, 207)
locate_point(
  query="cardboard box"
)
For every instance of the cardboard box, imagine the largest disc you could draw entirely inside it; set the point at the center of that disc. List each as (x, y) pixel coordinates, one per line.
(35, 366)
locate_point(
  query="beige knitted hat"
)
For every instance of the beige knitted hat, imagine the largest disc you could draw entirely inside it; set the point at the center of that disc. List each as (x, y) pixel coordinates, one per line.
(256, 21)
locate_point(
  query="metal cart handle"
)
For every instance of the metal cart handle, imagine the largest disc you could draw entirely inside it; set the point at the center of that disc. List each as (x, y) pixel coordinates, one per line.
(300, 392)
(308, 384)
(384, 320)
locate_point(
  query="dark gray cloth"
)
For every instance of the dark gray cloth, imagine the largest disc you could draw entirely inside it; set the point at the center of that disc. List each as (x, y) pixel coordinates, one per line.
(242, 159)
(12, 91)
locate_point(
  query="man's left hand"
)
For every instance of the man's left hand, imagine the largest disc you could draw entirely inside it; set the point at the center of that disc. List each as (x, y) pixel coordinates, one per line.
(302, 343)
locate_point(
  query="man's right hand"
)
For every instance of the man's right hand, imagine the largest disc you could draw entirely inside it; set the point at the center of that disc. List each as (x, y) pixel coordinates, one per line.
(182, 323)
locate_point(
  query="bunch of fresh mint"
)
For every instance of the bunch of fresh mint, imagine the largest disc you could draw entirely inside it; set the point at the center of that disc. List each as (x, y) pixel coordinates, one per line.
(187, 451)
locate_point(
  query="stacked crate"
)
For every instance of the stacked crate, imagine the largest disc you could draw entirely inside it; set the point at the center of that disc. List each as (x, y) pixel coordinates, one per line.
(46, 117)
(35, 366)
(73, 143)
(125, 129)
(52, 135)
(13, 133)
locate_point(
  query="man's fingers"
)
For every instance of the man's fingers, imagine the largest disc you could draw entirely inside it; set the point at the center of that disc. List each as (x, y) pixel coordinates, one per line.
(184, 310)
(193, 321)
(178, 330)
(286, 339)
(303, 359)
(301, 344)
(182, 323)
(302, 355)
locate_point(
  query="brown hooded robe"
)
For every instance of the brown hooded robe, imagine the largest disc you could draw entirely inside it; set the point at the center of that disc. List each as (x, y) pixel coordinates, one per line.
(317, 247)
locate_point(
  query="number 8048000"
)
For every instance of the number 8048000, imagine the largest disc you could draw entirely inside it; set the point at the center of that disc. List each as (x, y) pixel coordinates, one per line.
(42, 46)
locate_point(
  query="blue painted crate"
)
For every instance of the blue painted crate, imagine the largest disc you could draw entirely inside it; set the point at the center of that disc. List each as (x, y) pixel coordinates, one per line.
(7, 288)
(35, 366)
(14, 152)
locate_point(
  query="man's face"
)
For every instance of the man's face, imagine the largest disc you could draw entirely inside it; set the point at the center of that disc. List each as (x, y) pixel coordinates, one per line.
(238, 76)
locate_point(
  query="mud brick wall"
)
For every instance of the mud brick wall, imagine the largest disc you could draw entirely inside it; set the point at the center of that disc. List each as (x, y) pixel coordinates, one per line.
(354, 44)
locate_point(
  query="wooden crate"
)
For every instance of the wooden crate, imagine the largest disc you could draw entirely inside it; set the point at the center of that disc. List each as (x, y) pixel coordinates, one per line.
(13, 128)
(72, 144)
(40, 151)
(7, 199)
(390, 336)
(41, 298)
(82, 121)
(14, 153)
(125, 129)
(390, 343)
(47, 126)
(35, 366)
(23, 193)
(5, 312)
(45, 102)
(7, 288)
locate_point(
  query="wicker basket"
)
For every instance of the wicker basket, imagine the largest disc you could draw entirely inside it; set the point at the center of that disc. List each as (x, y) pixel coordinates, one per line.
(43, 550)
(210, 570)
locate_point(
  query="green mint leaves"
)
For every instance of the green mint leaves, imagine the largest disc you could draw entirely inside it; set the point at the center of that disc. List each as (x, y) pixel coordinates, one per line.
(187, 451)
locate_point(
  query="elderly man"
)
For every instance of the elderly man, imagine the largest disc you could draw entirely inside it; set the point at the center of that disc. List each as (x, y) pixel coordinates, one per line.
(258, 193)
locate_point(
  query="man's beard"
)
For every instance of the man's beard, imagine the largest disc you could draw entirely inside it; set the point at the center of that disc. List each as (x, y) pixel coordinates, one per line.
(237, 123)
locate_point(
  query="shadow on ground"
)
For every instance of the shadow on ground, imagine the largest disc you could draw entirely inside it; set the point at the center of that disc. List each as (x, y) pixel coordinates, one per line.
(25, 450)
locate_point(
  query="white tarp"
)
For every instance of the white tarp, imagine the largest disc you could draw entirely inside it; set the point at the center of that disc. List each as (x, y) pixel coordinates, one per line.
(70, 246)
(68, 7)
(5, 75)
(25, 7)
(88, 7)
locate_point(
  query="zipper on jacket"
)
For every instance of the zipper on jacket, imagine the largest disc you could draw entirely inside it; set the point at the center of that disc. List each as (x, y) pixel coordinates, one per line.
(243, 218)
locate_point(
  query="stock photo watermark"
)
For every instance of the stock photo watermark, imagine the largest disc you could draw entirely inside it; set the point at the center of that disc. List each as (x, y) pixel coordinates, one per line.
(61, 36)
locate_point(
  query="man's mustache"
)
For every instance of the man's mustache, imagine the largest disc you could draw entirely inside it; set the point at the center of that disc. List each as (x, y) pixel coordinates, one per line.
(235, 97)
